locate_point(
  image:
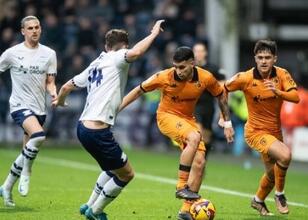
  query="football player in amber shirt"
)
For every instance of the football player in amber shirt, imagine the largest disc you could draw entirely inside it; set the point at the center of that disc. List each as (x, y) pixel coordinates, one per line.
(180, 88)
(266, 87)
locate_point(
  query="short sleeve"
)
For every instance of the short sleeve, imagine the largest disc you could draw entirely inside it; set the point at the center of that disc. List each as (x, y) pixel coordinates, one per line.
(4, 61)
(237, 82)
(52, 68)
(287, 81)
(81, 80)
(214, 87)
(152, 83)
(120, 58)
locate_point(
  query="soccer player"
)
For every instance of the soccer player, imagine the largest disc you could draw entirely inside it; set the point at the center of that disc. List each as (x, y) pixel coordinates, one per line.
(105, 79)
(180, 87)
(33, 68)
(266, 87)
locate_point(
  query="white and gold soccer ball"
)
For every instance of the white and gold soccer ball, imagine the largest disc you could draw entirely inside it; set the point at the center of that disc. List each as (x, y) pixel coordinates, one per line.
(202, 209)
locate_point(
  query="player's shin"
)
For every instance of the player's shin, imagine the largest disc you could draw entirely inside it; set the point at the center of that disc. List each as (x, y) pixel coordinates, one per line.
(109, 192)
(14, 174)
(103, 178)
(31, 150)
(29, 154)
(183, 175)
(265, 187)
(280, 175)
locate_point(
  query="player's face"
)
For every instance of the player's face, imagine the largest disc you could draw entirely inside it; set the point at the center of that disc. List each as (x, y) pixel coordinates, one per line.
(32, 31)
(184, 69)
(200, 52)
(265, 61)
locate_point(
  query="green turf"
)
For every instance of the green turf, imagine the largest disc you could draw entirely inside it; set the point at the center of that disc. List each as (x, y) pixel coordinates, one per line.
(57, 190)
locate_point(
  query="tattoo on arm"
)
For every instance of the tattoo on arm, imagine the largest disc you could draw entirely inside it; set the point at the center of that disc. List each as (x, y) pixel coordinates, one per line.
(223, 105)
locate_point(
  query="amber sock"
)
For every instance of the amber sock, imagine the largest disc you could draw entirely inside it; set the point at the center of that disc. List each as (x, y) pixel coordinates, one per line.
(186, 205)
(265, 187)
(183, 175)
(280, 176)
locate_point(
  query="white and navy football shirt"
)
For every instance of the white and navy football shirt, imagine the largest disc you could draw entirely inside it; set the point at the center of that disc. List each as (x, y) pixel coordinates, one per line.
(29, 69)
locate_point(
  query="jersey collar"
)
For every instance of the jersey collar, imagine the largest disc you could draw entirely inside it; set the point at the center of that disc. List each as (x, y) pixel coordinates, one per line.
(257, 75)
(195, 77)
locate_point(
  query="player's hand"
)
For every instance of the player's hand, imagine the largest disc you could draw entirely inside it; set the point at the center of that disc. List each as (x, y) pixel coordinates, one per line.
(157, 27)
(221, 122)
(57, 102)
(271, 86)
(229, 133)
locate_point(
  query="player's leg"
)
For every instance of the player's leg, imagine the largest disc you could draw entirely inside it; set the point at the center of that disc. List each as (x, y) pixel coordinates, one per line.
(37, 136)
(103, 178)
(194, 181)
(266, 185)
(7, 187)
(262, 142)
(106, 151)
(113, 188)
(187, 135)
(282, 154)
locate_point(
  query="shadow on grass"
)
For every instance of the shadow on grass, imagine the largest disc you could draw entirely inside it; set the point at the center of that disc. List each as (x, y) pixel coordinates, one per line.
(16, 209)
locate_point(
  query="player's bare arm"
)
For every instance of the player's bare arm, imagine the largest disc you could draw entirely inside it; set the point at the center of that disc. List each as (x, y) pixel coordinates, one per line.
(141, 47)
(224, 109)
(63, 93)
(51, 86)
(130, 97)
(290, 96)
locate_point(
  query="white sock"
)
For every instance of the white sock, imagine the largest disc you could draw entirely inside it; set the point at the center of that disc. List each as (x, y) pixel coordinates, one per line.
(279, 193)
(109, 192)
(258, 199)
(103, 178)
(31, 150)
(14, 174)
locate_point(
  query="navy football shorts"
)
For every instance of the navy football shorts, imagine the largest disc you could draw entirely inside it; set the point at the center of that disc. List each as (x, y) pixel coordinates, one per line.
(20, 116)
(101, 145)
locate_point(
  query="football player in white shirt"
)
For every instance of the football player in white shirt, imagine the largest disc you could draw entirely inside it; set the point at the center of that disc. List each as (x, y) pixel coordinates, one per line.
(33, 68)
(105, 79)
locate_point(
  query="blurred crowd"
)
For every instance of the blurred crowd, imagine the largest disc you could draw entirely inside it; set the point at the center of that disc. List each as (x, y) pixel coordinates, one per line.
(75, 29)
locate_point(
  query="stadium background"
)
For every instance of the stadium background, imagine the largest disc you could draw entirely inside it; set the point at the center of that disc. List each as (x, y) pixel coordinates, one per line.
(76, 29)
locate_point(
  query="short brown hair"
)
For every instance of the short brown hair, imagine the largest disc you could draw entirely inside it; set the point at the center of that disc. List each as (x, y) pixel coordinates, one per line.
(28, 18)
(116, 37)
(265, 45)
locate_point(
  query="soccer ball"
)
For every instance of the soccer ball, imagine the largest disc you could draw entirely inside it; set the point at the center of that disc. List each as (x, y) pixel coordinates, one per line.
(202, 209)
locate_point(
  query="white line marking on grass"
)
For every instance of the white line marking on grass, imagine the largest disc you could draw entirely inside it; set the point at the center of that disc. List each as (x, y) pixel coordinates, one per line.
(89, 167)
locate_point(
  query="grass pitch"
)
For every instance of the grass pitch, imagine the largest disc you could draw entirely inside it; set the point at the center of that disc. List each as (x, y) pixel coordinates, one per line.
(63, 179)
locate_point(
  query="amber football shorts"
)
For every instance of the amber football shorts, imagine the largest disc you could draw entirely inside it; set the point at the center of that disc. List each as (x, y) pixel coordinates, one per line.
(178, 128)
(261, 142)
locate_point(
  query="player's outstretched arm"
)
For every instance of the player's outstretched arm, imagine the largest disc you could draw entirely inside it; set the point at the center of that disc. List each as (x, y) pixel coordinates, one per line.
(130, 97)
(63, 93)
(224, 109)
(142, 46)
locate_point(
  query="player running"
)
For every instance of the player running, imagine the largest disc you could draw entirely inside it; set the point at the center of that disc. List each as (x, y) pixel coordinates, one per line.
(105, 79)
(265, 87)
(33, 68)
(181, 87)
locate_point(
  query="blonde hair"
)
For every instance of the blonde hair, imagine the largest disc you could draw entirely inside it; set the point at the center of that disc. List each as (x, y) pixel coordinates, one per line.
(28, 18)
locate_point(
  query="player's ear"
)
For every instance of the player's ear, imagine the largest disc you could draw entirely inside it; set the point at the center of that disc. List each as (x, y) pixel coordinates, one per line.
(275, 59)
(22, 31)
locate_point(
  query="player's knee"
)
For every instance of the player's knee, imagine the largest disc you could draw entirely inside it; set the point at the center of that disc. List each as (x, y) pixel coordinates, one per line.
(37, 138)
(193, 139)
(127, 176)
(285, 158)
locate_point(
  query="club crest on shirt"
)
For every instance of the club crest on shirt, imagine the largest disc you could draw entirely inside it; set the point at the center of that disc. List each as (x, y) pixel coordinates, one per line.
(179, 125)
